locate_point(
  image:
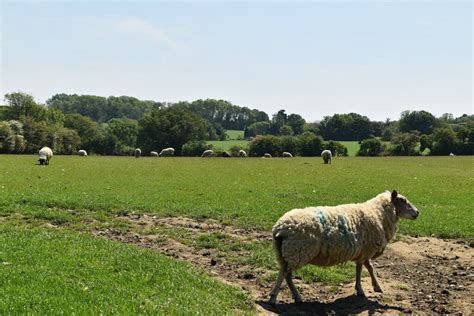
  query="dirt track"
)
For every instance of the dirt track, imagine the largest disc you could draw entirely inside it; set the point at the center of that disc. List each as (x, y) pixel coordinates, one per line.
(422, 275)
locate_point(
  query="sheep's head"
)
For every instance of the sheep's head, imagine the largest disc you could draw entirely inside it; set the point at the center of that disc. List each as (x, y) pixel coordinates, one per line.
(403, 207)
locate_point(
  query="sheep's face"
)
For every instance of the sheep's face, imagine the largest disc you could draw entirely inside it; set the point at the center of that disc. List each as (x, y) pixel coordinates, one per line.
(403, 207)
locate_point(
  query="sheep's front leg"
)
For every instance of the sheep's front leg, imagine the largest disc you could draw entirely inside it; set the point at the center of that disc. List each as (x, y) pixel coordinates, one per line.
(276, 288)
(375, 282)
(294, 291)
(358, 285)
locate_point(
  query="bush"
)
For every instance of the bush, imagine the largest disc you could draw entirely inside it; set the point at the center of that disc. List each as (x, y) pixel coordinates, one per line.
(264, 144)
(404, 144)
(370, 147)
(309, 144)
(195, 148)
(336, 148)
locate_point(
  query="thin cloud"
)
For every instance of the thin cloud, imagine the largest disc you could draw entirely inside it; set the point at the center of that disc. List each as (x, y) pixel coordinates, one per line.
(138, 26)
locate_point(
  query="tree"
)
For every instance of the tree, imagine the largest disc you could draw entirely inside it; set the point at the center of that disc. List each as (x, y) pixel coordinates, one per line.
(258, 128)
(21, 105)
(263, 144)
(286, 130)
(350, 126)
(444, 142)
(421, 121)
(370, 147)
(404, 144)
(310, 144)
(336, 148)
(195, 148)
(170, 127)
(88, 130)
(296, 122)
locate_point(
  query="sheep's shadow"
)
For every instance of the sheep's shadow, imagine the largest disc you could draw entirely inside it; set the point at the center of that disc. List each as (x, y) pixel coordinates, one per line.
(343, 306)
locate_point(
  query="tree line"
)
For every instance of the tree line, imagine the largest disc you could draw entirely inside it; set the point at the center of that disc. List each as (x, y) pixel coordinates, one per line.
(116, 125)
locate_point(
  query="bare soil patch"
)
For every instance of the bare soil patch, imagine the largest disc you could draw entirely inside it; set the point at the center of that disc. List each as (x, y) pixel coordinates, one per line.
(421, 275)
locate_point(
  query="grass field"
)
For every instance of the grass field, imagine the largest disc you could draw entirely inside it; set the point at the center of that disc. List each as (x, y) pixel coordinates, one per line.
(234, 134)
(82, 194)
(227, 144)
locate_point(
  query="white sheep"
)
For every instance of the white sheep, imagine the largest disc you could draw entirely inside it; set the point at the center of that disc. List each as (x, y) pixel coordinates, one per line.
(45, 155)
(242, 153)
(138, 152)
(167, 152)
(208, 153)
(82, 152)
(326, 155)
(330, 235)
(267, 155)
(286, 154)
(153, 154)
(451, 154)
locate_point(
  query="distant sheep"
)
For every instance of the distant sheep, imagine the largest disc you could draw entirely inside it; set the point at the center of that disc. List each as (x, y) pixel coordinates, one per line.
(82, 152)
(208, 153)
(153, 154)
(45, 155)
(225, 154)
(138, 152)
(167, 152)
(327, 156)
(286, 154)
(451, 154)
(242, 153)
(267, 155)
(330, 235)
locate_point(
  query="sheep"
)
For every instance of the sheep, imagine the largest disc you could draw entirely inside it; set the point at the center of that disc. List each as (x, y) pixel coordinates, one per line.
(451, 154)
(226, 154)
(153, 154)
(329, 235)
(45, 155)
(167, 152)
(327, 156)
(82, 152)
(267, 155)
(286, 154)
(208, 153)
(242, 153)
(138, 152)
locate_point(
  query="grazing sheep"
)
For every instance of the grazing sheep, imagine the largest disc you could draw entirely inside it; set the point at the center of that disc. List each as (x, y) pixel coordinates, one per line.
(225, 154)
(45, 155)
(82, 152)
(267, 155)
(208, 153)
(153, 154)
(167, 152)
(326, 155)
(451, 154)
(329, 235)
(138, 152)
(242, 153)
(286, 154)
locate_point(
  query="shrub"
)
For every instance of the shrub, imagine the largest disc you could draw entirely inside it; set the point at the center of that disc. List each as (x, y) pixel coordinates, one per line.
(309, 144)
(370, 147)
(264, 144)
(195, 148)
(336, 148)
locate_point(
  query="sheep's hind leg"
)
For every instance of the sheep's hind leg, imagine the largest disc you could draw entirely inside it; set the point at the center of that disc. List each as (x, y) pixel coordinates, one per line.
(358, 284)
(279, 281)
(375, 282)
(294, 291)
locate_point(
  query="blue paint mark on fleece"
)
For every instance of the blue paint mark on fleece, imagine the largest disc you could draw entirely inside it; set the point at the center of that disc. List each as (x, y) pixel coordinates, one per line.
(345, 230)
(321, 217)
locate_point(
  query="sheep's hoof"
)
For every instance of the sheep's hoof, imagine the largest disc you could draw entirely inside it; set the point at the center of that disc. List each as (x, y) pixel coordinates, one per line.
(298, 300)
(360, 293)
(378, 289)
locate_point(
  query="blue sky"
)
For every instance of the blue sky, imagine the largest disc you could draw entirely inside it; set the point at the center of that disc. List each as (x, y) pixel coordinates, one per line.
(311, 58)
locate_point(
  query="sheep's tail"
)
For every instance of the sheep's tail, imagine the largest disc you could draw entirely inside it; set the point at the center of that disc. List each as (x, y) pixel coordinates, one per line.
(277, 243)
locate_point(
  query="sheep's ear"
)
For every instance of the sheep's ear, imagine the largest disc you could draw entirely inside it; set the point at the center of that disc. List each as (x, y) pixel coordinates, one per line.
(394, 194)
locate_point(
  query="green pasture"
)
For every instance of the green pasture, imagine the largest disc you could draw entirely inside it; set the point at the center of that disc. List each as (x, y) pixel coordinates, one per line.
(352, 147)
(234, 134)
(251, 192)
(227, 144)
(81, 194)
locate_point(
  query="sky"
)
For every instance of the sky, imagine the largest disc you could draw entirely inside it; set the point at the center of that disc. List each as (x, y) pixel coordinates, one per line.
(311, 58)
